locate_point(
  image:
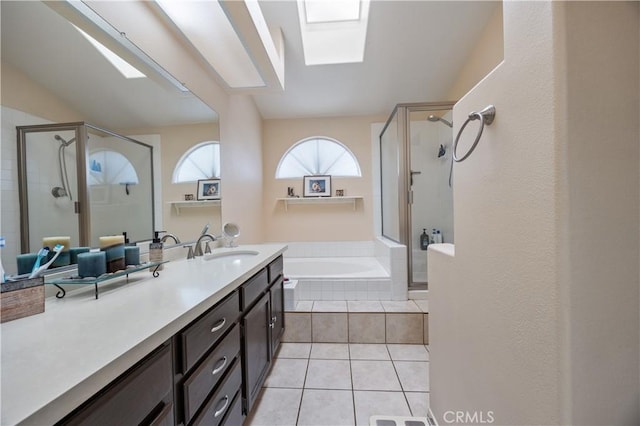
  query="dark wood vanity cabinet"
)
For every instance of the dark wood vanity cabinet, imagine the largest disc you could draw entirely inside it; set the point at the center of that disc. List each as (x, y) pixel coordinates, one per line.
(262, 327)
(141, 396)
(256, 349)
(207, 365)
(208, 373)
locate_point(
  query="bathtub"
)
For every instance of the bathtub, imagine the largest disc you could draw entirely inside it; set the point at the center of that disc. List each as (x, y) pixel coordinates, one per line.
(338, 278)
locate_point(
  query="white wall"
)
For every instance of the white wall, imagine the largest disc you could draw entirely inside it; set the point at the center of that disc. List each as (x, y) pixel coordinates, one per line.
(536, 319)
(601, 160)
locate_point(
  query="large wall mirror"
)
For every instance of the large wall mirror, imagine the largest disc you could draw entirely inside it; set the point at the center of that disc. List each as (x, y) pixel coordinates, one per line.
(53, 72)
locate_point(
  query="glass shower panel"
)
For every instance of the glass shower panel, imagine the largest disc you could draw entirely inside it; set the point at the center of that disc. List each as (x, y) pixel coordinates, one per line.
(51, 188)
(120, 187)
(390, 179)
(430, 137)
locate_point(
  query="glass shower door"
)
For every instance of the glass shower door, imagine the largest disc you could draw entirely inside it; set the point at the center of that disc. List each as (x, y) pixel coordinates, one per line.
(51, 188)
(416, 193)
(430, 141)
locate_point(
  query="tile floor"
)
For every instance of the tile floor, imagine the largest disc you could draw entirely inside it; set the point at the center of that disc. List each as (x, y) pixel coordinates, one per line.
(343, 384)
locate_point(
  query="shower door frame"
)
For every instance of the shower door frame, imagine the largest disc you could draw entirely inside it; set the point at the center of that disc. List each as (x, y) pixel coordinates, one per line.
(402, 113)
(82, 206)
(82, 198)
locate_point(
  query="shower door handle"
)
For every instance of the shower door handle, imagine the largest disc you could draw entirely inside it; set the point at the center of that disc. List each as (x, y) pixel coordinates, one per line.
(414, 172)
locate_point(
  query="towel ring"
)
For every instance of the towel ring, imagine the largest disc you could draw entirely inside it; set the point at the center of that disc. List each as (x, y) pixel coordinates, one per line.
(486, 116)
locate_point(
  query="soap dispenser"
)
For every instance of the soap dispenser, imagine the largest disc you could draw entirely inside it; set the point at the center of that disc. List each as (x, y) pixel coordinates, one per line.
(424, 240)
(155, 251)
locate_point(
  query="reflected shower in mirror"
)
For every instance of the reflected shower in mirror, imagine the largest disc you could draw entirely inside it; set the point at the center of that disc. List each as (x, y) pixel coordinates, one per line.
(102, 187)
(51, 73)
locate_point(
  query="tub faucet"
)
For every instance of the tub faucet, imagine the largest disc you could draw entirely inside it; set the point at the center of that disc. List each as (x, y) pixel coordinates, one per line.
(198, 250)
(167, 236)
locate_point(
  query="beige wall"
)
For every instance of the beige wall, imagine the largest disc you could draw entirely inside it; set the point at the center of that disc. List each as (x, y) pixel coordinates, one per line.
(486, 55)
(241, 167)
(314, 222)
(21, 93)
(536, 320)
(175, 142)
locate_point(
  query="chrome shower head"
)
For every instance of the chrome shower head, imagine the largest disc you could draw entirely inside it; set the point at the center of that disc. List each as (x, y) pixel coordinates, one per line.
(435, 118)
(64, 143)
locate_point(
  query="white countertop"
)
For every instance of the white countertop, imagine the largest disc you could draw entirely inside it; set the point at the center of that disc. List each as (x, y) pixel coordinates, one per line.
(52, 362)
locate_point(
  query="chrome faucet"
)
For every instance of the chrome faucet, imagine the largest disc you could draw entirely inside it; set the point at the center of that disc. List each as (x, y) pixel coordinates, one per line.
(167, 236)
(198, 250)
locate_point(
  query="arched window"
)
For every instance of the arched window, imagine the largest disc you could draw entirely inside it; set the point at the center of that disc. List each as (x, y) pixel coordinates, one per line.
(317, 156)
(200, 162)
(108, 167)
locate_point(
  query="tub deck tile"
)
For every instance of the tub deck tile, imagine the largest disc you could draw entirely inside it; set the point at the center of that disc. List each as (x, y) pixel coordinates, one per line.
(329, 306)
(403, 306)
(364, 306)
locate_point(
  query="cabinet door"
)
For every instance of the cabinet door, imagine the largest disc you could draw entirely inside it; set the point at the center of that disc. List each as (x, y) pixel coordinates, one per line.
(257, 346)
(277, 314)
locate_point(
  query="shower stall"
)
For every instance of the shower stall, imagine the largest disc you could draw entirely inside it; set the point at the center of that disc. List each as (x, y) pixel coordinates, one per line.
(81, 181)
(416, 171)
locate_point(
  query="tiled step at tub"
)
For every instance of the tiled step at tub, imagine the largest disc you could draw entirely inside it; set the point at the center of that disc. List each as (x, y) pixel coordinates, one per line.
(404, 322)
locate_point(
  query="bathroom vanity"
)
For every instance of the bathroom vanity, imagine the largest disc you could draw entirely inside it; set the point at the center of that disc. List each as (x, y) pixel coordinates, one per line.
(192, 346)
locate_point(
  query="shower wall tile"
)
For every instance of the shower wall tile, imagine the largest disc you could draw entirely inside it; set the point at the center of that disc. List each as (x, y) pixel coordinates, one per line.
(330, 249)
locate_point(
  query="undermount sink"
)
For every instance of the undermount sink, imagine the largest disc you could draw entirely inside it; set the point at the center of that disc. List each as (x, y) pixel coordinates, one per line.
(235, 254)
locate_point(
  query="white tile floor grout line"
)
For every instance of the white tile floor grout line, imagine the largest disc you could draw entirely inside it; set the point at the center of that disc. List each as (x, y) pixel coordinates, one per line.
(308, 358)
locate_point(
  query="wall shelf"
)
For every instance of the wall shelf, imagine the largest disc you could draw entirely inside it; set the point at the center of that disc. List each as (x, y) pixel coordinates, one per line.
(178, 205)
(320, 200)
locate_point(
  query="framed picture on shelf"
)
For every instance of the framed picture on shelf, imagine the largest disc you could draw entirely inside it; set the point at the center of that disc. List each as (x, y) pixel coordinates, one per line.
(209, 189)
(317, 186)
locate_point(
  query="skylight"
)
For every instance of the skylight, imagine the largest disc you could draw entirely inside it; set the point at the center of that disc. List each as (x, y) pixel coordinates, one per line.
(331, 11)
(120, 64)
(333, 31)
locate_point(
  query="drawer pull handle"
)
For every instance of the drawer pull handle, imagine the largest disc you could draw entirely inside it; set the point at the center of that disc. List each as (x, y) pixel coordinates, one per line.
(224, 407)
(219, 325)
(219, 369)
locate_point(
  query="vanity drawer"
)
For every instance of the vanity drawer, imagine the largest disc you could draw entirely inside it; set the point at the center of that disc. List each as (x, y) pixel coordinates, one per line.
(203, 379)
(204, 332)
(275, 269)
(234, 414)
(253, 288)
(221, 401)
(144, 392)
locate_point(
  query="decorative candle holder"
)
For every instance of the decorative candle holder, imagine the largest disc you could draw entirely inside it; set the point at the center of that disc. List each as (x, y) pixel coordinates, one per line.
(113, 246)
(64, 258)
(25, 262)
(75, 251)
(92, 264)
(132, 255)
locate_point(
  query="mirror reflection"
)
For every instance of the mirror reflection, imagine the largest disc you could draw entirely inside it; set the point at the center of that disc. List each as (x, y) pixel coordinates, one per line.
(53, 73)
(99, 178)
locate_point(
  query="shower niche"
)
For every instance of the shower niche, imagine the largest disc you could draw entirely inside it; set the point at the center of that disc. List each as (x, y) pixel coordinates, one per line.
(79, 180)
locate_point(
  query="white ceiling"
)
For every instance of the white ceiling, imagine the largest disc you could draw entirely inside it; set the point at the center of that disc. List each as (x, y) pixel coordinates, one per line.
(41, 43)
(414, 52)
